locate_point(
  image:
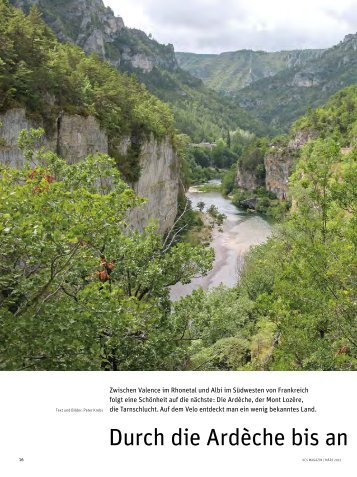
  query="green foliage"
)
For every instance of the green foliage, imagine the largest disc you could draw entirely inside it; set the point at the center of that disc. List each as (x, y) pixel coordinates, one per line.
(226, 354)
(229, 180)
(229, 72)
(201, 156)
(48, 77)
(281, 99)
(195, 174)
(78, 289)
(204, 164)
(222, 155)
(252, 158)
(336, 120)
(294, 307)
(216, 215)
(208, 322)
(261, 201)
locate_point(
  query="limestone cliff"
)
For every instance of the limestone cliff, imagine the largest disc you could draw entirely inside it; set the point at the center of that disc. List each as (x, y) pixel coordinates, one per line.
(280, 161)
(95, 28)
(247, 180)
(76, 136)
(158, 183)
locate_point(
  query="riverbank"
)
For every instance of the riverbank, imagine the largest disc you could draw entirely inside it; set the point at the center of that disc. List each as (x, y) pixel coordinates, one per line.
(239, 232)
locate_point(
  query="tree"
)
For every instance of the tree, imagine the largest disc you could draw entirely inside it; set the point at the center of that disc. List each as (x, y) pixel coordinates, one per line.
(78, 289)
(312, 298)
(294, 306)
(228, 139)
(200, 206)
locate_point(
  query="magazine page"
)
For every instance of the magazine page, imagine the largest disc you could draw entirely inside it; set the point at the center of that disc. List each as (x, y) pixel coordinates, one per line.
(178, 237)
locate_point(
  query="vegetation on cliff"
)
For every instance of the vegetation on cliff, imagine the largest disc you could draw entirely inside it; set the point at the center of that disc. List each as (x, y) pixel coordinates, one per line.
(78, 289)
(336, 120)
(199, 111)
(295, 306)
(47, 77)
(229, 72)
(282, 99)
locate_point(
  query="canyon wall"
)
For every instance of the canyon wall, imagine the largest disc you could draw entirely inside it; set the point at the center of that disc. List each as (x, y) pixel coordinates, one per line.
(247, 180)
(75, 137)
(280, 161)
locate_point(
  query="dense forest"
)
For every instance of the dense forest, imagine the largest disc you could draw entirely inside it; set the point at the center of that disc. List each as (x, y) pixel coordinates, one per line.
(81, 290)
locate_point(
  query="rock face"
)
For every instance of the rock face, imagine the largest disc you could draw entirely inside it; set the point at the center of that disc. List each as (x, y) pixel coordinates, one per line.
(12, 122)
(349, 42)
(249, 203)
(158, 183)
(279, 163)
(278, 166)
(306, 79)
(96, 29)
(75, 137)
(78, 136)
(247, 180)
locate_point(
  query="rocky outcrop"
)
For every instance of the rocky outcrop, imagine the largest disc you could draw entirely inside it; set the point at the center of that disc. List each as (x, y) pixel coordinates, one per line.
(349, 42)
(75, 137)
(158, 183)
(11, 123)
(307, 79)
(278, 166)
(78, 136)
(280, 161)
(95, 28)
(249, 203)
(247, 180)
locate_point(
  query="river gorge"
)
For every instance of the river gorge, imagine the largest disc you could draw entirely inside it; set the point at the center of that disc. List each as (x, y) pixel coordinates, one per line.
(240, 231)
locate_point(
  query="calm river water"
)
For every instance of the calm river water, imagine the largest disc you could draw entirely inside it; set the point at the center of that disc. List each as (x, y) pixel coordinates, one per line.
(241, 231)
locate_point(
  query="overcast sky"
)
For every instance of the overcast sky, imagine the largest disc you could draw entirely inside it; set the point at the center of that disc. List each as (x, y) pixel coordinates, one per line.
(213, 26)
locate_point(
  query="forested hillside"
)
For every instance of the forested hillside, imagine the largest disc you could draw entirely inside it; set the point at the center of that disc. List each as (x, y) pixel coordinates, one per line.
(286, 96)
(269, 162)
(277, 87)
(336, 120)
(49, 78)
(230, 72)
(295, 307)
(199, 111)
